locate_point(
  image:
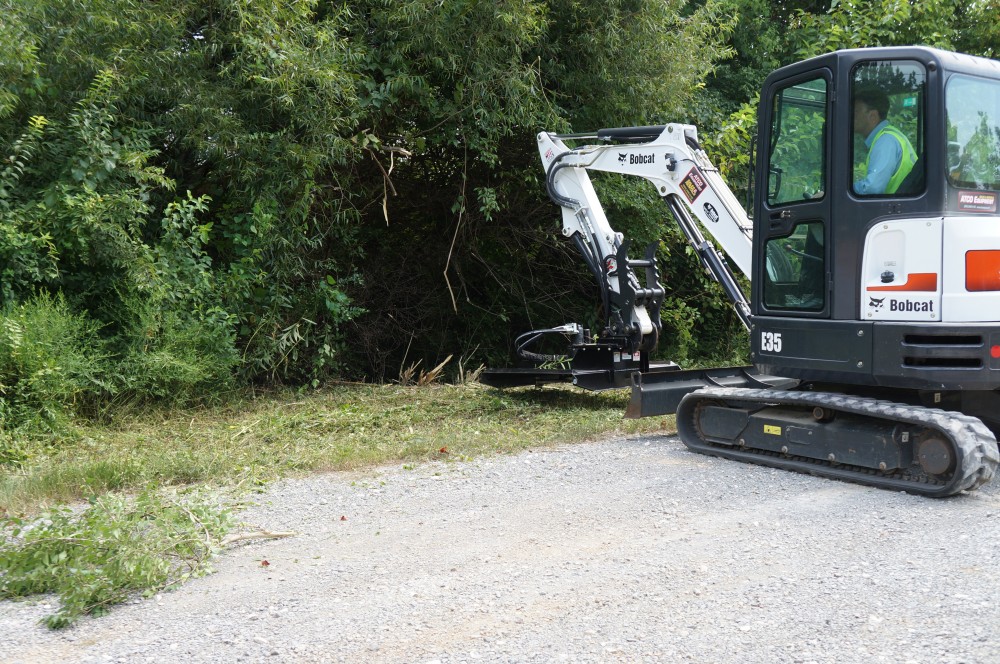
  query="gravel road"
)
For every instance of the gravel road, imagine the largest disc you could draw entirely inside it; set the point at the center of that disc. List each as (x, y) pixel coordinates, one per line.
(619, 550)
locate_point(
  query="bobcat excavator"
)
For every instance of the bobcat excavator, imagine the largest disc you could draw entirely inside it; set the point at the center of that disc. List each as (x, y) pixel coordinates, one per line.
(874, 315)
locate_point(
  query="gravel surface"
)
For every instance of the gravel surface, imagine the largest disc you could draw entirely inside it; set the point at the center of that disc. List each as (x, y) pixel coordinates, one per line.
(620, 550)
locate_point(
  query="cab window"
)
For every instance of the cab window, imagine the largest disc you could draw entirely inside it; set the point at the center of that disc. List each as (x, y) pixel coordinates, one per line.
(796, 159)
(887, 102)
(795, 276)
(795, 262)
(973, 109)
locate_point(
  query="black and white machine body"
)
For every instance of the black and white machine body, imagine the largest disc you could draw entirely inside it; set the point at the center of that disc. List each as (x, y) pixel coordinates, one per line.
(874, 263)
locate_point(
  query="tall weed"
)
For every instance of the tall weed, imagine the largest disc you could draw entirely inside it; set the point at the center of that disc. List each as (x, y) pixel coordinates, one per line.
(51, 363)
(177, 342)
(173, 358)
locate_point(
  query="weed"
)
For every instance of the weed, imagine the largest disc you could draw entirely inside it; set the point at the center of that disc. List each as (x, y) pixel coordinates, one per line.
(114, 548)
(50, 359)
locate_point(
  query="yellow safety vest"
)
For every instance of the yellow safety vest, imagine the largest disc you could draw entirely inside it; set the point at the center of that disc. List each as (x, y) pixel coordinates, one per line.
(905, 164)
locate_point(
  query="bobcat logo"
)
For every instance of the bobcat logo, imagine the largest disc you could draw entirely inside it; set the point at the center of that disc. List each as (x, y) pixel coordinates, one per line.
(713, 214)
(622, 157)
(876, 305)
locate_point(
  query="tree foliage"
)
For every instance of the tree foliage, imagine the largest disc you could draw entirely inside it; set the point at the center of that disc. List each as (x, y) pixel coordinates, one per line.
(851, 24)
(228, 191)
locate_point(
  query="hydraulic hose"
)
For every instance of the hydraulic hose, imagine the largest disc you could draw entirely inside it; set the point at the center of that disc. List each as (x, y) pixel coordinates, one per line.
(521, 343)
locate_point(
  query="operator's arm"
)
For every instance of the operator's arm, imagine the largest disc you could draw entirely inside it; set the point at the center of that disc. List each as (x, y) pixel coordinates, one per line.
(886, 155)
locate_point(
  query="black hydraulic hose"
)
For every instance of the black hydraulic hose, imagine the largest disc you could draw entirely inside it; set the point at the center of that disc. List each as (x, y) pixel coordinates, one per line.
(588, 256)
(550, 184)
(596, 269)
(529, 355)
(535, 335)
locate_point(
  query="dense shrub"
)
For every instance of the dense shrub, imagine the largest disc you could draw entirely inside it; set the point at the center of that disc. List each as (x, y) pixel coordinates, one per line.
(51, 364)
(237, 192)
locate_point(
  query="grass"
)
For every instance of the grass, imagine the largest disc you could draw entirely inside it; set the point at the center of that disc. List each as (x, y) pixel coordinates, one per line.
(160, 486)
(258, 439)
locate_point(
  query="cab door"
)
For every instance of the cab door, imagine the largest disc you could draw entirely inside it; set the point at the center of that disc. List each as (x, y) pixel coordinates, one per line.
(793, 201)
(793, 333)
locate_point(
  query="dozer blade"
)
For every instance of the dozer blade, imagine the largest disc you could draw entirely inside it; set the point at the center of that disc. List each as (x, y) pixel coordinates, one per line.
(659, 393)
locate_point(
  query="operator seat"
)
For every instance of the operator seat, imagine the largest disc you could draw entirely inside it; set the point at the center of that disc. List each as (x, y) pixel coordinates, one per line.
(915, 180)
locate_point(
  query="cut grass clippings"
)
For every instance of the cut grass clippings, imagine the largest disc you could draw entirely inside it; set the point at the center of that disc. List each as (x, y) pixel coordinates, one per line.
(135, 535)
(117, 547)
(256, 440)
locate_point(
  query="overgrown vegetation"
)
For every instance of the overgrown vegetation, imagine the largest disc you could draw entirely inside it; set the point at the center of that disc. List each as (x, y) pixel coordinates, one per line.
(221, 194)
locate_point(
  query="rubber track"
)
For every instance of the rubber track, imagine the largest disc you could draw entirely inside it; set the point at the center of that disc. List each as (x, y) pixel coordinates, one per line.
(976, 445)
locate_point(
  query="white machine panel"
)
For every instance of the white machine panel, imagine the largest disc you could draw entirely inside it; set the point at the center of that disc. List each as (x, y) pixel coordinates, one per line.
(971, 269)
(901, 271)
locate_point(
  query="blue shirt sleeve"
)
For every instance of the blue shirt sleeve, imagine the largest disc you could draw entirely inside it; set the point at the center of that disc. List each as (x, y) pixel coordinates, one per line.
(885, 155)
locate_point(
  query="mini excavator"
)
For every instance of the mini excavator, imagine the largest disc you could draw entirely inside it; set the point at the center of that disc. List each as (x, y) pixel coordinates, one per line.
(873, 313)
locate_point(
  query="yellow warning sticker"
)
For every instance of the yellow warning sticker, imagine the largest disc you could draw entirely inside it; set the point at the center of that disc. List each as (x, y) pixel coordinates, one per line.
(771, 429)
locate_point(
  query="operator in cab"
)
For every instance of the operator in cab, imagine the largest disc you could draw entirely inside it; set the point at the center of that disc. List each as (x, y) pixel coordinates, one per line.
(890, 155)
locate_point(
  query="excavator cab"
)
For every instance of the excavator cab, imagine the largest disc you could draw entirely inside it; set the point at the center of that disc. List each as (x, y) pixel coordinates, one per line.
(880, 282)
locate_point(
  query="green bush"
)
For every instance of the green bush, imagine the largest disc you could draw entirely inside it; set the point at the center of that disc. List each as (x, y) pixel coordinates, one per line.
(175, 342)
(172, 358)
(51, 363)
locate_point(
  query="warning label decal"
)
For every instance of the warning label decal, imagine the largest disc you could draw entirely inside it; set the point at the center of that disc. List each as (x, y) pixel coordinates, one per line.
(693, 184)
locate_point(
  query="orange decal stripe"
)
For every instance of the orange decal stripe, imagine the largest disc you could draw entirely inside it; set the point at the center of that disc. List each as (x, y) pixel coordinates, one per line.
(918, 281)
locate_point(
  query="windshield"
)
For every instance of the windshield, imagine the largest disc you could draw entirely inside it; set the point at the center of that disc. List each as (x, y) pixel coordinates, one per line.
(973, 108)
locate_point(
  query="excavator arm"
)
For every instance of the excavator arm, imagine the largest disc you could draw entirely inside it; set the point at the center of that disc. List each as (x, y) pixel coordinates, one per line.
(631, 295)
(670, 158)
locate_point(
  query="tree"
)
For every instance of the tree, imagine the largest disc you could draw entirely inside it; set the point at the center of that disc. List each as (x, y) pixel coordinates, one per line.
(253, 109)
(470, 254)
(852, 24)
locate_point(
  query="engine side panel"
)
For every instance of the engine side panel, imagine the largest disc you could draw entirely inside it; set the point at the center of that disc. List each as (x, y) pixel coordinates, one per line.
(900, 272)
(813, 349)
(971, 269)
